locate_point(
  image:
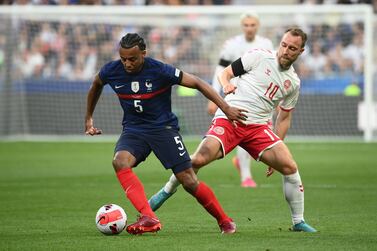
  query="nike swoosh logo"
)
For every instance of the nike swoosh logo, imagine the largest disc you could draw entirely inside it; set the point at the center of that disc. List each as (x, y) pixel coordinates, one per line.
(119, 86)
(181, 154)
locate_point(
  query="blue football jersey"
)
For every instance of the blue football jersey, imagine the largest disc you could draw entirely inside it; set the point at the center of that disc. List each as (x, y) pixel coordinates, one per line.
(144, 96)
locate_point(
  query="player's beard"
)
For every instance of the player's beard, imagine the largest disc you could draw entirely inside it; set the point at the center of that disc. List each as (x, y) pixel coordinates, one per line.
(285, 62)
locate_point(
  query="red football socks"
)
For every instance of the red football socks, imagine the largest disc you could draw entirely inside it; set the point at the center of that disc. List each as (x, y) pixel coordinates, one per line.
(207, 198)
(134, 191)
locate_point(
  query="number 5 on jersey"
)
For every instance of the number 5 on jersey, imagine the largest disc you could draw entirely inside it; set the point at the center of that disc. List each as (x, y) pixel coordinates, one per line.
(138, 106)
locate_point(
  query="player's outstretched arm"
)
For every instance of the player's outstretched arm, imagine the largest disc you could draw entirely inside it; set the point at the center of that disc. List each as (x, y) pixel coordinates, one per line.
(283, 123)
(212, 107)
(215, 82)
(233, 114)
(92, 99)
(224, 79)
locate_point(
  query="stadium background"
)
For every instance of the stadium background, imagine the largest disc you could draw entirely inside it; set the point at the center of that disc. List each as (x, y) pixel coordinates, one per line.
(47, 63)
(50, 191)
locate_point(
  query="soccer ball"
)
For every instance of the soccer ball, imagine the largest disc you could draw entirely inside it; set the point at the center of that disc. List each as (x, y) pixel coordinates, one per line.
(111, 219)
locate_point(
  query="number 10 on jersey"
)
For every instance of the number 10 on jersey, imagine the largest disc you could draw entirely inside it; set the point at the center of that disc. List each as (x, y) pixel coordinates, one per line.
(271, 90)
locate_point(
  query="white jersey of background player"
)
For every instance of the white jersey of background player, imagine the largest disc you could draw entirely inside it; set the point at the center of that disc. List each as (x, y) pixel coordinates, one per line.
(232, 49)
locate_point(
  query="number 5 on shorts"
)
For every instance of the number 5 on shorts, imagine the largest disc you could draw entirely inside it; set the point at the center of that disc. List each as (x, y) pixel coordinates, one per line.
(179, 143)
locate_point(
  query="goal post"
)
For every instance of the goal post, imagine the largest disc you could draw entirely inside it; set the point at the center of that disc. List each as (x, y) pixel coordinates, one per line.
(49, 55)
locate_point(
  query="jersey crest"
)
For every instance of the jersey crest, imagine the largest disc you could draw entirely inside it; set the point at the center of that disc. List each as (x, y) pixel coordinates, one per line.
(148, 84)
(219, 130)
(135, 86)
(287, 84)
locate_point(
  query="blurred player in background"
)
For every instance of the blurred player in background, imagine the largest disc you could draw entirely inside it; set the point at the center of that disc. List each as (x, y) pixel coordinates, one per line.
(143, 86)
(232, 49)
(265, 79)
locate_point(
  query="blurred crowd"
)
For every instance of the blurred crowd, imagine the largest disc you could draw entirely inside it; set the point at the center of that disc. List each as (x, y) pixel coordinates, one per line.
(77, 51)
(182, 2)
(333, 51)
(119, 2)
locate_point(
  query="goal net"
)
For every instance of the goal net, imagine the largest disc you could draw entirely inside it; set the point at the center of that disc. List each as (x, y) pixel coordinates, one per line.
(49, 55)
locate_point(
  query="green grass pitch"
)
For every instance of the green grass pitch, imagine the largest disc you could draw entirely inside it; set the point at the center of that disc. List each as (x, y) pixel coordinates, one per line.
(50, 193)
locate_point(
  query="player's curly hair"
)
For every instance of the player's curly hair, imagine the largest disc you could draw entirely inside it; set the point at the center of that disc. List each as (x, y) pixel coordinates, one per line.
(298, 32)
(132, 39)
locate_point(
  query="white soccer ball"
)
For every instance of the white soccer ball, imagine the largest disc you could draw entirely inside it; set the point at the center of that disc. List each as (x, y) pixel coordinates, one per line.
(111, 219)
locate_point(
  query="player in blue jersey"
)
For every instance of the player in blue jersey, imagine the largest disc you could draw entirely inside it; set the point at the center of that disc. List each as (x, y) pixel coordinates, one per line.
(143, 86)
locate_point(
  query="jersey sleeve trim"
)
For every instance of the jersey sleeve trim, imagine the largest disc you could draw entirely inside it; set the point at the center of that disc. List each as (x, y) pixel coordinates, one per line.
(287, 110)
(180, 76)
(237, 68)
